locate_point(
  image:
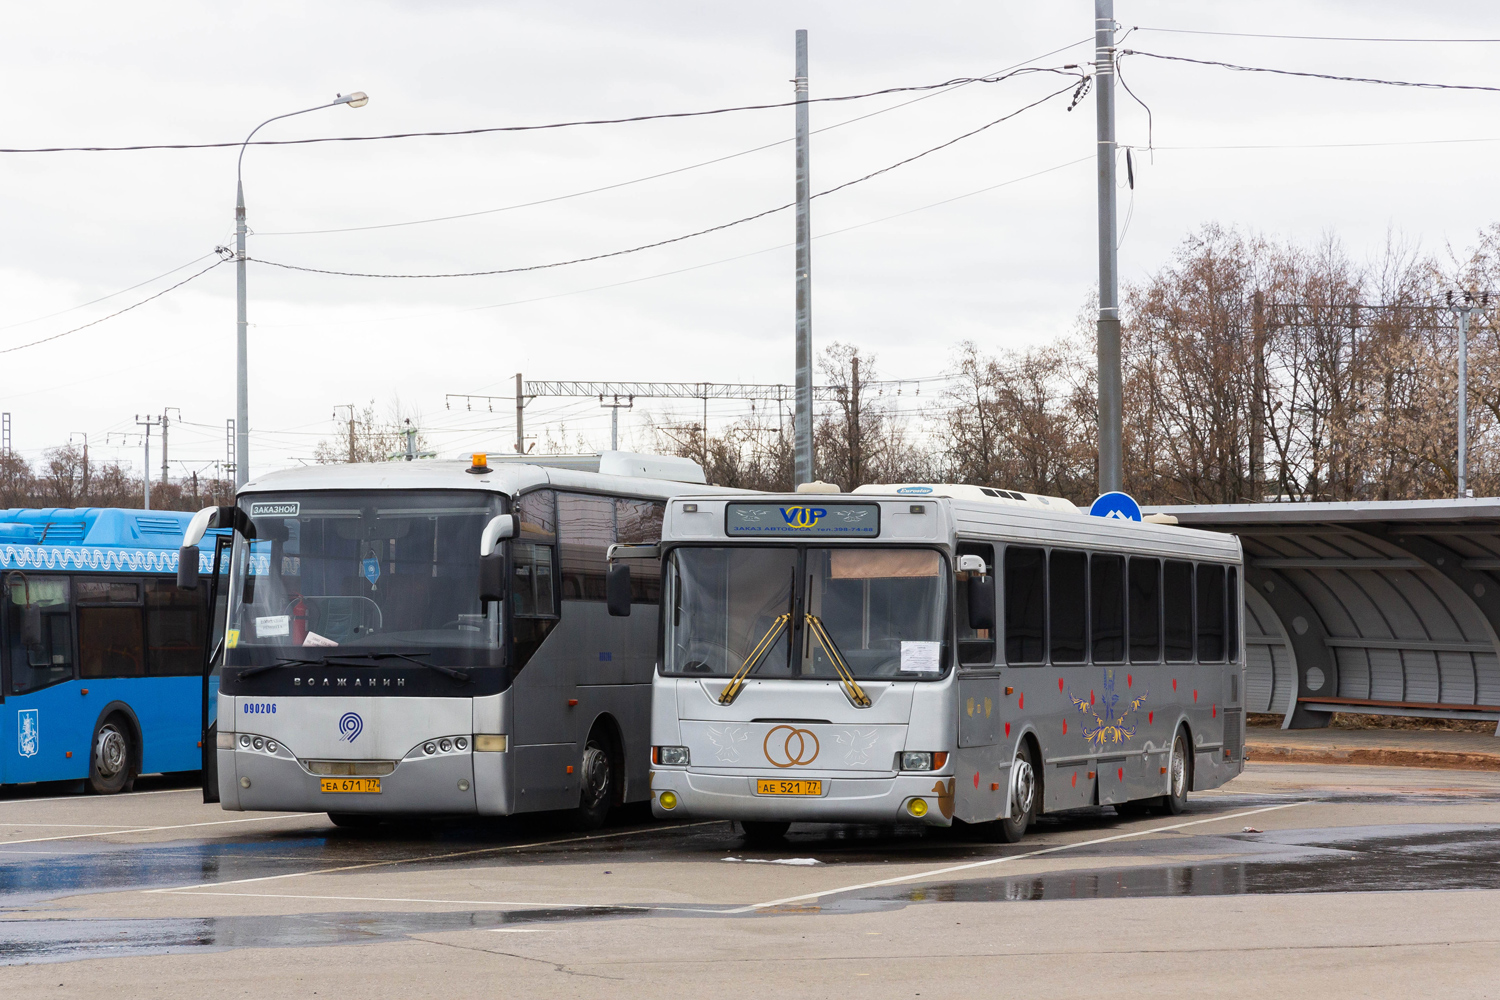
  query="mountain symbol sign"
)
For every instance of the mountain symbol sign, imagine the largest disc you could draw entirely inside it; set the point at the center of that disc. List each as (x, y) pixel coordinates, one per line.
(1121, 506)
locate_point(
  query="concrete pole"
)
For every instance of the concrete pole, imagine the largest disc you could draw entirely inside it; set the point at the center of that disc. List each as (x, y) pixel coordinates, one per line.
(614, 427)
(164, 447)
(802, 431)
(1111, 416)
(1463, 401)
(520, 418)
(241, 347)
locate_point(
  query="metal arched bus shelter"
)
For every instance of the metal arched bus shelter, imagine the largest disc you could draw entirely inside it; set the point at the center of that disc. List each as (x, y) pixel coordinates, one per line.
(1382, 608)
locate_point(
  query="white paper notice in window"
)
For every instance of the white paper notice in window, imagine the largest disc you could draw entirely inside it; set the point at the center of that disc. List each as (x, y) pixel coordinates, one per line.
(921, 657)
(275, 625)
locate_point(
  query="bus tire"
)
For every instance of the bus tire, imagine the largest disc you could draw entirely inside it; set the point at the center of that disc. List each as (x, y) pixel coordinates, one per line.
(1179, 775)
(112, 756)
(763, 831)
(1023, 793)
(596, 784)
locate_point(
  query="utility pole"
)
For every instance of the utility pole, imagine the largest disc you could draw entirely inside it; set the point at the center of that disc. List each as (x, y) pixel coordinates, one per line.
(164, 412)
(1111, 416)
(1258, 390)
(4, 435)
(85, 485)
(614, 417)
(350, 408)
(520, 417)
(802, 441)
(148, 423)
(1463, 313)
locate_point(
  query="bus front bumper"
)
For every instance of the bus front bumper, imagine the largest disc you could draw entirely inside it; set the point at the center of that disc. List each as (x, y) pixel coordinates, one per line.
(449, 784)
(889, 799)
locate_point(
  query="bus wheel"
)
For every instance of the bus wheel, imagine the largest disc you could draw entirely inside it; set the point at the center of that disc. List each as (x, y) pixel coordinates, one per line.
(111, 757)
(763, 832)
(1022, 796)
(596, 781)
(1179, 775)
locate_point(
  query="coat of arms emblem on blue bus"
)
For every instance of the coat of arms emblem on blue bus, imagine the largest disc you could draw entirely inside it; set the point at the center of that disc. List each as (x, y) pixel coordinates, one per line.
(28, 732)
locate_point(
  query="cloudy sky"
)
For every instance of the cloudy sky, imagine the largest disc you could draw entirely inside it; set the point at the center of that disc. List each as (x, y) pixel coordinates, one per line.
(991, 239)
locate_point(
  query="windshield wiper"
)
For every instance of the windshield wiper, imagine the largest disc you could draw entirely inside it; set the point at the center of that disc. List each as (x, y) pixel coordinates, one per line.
(852, 690)
(340, 659)
(737, 682)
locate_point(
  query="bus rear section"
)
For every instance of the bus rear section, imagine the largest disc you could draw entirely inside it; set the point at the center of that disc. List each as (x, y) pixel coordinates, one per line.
(806, 666)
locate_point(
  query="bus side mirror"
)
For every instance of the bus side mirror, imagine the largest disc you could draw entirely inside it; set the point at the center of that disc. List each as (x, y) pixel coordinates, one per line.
(492, 577)
(982, 603)
(187, 567)
(617, 590)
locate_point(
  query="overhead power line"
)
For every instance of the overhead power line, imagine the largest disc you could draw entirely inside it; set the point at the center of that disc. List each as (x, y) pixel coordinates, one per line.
(118, 312)
(674, 239)
(1069, 70)
(1316, 76)
(102, 298)
(1309, 38)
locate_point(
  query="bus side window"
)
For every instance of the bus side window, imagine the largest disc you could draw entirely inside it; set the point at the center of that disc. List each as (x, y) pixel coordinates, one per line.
(174, 629)
(1067, 605)
(1145, 610)
(1177, 604)
(586, 528)
(40, 653)
(1232, 603)
(1211, 614)
(976, 647)
(1025, 605)
(1107, 608)
(532, 586)
(638, 522)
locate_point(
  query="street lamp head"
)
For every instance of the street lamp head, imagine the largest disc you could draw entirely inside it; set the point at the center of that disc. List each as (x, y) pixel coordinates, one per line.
(358, 99)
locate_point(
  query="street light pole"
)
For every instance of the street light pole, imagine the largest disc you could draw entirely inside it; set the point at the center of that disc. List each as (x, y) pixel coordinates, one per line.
(241, 345)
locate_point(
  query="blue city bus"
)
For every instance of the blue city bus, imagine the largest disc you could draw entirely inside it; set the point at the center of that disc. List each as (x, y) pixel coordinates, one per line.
(103, 673)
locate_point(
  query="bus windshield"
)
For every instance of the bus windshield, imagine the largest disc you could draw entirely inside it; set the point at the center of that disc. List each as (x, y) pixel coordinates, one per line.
(361, 572)
(883, 609)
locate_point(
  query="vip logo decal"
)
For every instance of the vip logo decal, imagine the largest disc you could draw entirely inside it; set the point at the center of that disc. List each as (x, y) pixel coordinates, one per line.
(350, 726)
(726, 743)
(1109, 725)
(28, 732)
(859, 743)
(803, 517)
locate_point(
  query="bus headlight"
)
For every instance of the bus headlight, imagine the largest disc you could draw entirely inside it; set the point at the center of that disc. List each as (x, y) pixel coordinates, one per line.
(922, 760)
(668, 800)
(672, 756)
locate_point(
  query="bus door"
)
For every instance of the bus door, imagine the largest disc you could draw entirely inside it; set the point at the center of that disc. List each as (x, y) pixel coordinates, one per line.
(213, 651)
(982, 749)
(46, 737)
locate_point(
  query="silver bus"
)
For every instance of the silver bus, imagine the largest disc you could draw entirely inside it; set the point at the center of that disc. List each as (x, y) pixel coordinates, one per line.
(430, 638)
(932, 654)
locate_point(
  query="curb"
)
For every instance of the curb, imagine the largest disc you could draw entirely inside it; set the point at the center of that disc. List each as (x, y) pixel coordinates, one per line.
(1262, 753)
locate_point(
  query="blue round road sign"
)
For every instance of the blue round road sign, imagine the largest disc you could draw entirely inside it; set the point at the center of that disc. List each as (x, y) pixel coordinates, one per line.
(1116, 505)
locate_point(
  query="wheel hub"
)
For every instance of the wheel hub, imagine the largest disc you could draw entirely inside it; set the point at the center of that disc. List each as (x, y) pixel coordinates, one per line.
(1179, 771)
(595, 776)
(1022, 787)
(109, 752)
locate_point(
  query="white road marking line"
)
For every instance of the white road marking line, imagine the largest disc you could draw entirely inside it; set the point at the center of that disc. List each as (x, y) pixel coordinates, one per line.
(153, 829)
(531, 904)
(60, 826)
(80, 797)
(523, 930)
(933, 873)
(437, 857)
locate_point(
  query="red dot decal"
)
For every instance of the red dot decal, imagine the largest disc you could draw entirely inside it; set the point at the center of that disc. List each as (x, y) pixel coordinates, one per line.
(1174, 684)
(1150, 717)
(1091, 697)
(1121, 772)
(1021, 700)
(1195, 694)
(1216, 711)
(1075, 779)
(976, 779)
(1065, 727)
(1129, 680)
(1059, 683)
(1007, 729)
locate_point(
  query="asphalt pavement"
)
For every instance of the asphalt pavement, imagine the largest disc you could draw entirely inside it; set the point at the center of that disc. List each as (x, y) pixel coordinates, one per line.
(1306, 879)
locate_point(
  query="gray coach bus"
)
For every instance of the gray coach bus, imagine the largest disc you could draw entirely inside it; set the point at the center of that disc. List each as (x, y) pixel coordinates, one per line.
(431, 637)
(934, 653)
